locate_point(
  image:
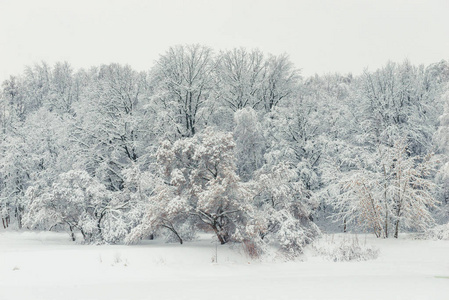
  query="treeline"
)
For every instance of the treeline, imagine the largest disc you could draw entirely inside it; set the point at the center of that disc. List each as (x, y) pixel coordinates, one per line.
(234, 142)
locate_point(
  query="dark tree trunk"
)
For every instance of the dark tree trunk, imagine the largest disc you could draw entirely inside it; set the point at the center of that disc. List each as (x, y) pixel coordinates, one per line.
(221, 238)
(100, 232)
(72, 234)
(172, 229)
(396, 230)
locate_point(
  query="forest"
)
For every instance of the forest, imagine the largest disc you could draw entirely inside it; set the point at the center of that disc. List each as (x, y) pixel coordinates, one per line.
(236, 143)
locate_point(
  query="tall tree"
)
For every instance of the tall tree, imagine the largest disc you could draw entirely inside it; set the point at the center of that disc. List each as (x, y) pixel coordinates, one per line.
(280, 82)
(250, 144)
(398, 103)
(242, 78)
(109, 125)
(185, 84)
(397, 192)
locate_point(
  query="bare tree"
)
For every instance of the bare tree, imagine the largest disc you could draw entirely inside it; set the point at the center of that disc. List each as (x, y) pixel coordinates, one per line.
(280, 82)
(242, 74)
(184, 83)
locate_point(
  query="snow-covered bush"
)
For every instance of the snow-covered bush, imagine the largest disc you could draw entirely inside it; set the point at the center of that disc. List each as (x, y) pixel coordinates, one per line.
(440, 232)
(79, 202)
(284, 206)
(345, 249)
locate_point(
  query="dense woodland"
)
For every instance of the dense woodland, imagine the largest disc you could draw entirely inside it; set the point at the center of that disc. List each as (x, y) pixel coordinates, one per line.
(236, 143)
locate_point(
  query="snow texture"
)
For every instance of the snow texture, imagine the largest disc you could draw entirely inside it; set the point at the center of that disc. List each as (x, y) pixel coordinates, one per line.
(47, 265)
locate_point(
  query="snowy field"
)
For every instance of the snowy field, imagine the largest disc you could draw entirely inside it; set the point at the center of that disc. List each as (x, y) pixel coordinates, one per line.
(46, 265)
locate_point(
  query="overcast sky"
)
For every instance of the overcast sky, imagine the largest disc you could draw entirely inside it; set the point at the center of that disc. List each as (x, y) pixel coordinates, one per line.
(320, 36)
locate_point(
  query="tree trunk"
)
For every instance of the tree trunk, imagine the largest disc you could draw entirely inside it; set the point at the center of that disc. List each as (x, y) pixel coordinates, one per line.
(177, 235)
(19, 221)
(100, 232)
(386, 203)
(396, 230)
(18, 214)
(376, 232)
(72, 234)
(172, 229)
(217, 232)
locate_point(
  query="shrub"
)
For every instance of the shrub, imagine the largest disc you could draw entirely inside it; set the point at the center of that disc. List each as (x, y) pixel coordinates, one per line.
(346, 249)
(440, 232)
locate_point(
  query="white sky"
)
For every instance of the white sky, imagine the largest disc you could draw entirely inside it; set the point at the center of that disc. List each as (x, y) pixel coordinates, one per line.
(320, 36)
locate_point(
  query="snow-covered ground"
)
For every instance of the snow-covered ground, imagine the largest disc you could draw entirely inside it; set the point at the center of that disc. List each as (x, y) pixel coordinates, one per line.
(47, 265)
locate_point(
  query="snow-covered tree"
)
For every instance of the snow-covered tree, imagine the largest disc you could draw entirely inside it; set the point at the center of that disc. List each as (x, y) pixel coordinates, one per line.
(164, 212)
(63, 90)
(36, 84)
(184, 86)
(397, 102)
(15, 170)
(280, 82)
(442, 135)
(200, 175)
(108, 130)
(442, 140)
(249, 140)
(285, 209)
(79, 202)
(242, 77)
(397, 192)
